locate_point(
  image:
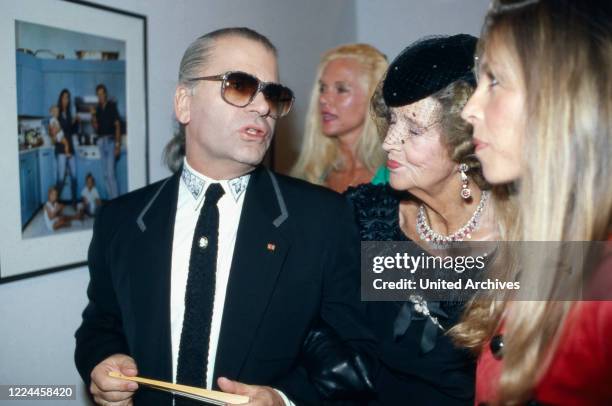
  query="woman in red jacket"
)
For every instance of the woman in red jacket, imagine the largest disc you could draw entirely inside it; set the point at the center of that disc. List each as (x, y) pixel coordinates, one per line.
(542, 118)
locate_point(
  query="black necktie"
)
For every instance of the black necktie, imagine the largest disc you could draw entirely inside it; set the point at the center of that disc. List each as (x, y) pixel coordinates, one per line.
(199, 296)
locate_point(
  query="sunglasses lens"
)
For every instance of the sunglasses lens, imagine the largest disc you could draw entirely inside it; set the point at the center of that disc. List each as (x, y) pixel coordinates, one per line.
(239, 88)
(280, 99)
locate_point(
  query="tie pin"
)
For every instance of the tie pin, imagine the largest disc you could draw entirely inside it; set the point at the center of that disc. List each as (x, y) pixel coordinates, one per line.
(203, 243)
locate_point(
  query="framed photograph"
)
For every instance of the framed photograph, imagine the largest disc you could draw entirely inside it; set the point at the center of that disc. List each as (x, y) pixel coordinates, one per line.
(74, 123)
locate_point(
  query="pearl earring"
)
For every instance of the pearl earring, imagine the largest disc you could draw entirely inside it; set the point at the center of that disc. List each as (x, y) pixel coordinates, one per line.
(466, 193)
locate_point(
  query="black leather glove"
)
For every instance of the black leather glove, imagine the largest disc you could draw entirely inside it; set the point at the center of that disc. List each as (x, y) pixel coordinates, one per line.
(337, 371)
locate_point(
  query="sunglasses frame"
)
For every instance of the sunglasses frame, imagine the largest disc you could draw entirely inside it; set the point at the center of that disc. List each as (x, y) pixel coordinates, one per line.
(260, 87)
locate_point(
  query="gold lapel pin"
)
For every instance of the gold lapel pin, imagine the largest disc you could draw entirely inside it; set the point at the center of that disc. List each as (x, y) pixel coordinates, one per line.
(271, 247)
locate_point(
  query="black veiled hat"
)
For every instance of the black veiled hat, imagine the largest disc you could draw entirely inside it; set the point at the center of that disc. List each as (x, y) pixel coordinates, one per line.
(427, 66)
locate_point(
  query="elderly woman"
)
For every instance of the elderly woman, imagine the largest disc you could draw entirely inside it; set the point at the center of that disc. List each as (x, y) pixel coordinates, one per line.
(436, 195)
(341, 147)
(542, 117)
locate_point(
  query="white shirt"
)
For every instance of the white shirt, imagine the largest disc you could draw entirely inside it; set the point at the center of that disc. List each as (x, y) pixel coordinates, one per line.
(53, 207)
(192, 189)
(92, 196)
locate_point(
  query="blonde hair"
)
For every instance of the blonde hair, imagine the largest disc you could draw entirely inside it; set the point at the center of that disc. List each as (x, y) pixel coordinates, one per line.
(564, 50)
(319, 154)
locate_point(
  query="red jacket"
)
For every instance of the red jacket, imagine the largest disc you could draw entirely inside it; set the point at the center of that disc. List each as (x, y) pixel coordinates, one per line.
(580, 372)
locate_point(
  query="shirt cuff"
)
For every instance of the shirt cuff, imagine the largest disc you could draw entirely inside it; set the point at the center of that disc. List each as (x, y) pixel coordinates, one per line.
(285, 398)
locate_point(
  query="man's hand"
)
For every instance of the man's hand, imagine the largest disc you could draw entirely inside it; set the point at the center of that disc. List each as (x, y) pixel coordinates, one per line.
(258, 395)
(109, 391)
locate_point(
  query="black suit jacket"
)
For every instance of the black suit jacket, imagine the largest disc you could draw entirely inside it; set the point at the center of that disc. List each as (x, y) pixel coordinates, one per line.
(273, 296)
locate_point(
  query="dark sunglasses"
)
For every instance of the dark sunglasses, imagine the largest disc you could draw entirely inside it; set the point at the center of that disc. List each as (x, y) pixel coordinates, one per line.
(239, 89)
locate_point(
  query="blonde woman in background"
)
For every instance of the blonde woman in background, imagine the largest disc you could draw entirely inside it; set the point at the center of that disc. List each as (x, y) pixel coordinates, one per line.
(341, 147)
(542, 118)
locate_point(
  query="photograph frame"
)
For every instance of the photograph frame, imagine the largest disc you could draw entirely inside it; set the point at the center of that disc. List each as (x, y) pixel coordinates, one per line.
(22, 258)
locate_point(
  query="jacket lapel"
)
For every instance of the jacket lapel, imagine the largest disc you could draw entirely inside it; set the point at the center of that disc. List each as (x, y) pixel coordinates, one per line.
(151, 280)
(260, 250)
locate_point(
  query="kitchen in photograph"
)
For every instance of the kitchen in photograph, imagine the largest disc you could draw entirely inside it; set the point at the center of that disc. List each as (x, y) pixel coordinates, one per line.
(71, 108)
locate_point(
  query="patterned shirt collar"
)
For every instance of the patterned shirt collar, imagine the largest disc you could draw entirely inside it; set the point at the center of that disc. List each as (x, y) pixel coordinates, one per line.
(195, 182)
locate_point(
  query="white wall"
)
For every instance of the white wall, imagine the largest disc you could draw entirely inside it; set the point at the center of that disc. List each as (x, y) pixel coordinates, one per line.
(301, 30)
(405, 21)
(38, 318)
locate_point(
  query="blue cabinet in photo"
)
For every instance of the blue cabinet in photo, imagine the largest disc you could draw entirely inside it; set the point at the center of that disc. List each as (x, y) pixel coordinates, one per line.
(29, 184)
(40, 81)
(81, 77)
(23, 176)
(29, 86)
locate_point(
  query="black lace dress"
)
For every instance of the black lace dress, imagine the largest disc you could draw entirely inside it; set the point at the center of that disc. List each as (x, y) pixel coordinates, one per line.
(419, 365)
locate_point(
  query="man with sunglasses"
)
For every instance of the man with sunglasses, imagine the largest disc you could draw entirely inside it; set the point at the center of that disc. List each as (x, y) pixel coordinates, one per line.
(220, 295)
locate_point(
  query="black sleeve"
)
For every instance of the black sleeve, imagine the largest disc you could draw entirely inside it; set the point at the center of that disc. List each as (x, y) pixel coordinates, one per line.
(342, 308)
(314, 382)
(101, 333)
(298, 388)
(344, 313)
(336, 370)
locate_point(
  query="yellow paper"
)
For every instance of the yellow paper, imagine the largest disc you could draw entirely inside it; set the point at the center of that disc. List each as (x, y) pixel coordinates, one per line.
(204, 395)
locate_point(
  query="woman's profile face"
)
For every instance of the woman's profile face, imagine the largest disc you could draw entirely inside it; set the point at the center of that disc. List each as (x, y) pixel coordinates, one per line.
(497, 112)
(65, 100)
(417, 158)
(343, 99)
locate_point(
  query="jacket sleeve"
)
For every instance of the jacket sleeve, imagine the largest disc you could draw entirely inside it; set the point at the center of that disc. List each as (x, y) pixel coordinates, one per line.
(338, 357)
(340, 352)
(101, 333)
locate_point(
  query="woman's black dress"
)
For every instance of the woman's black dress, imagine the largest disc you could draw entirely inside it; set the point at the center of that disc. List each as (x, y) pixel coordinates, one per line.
(418, 365)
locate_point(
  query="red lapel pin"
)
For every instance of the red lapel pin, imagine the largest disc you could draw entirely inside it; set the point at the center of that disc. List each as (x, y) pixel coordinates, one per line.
(271, 247)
